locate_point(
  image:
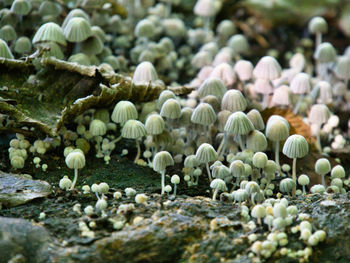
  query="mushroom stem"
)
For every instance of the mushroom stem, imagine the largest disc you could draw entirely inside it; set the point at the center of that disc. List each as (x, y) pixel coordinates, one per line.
(240, 141)
(304, 192)
(138, 151)
(215, 194)
(207, 23)
(252, 196)
(318, 38)
(117, 139)
(277, 154)
(196, 182)
(75, 179)
(208, 171)
(174, 189)
(163, 182)
(259, 221)
(294, 176)
(318, 139)
(222, 146)
(265, 101)
(323, 180)
(294, 172)
(98, 142)
(300, 99)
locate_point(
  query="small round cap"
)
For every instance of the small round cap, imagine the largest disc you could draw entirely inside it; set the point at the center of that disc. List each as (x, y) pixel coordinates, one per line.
(296, 146)
(123, 111)
(133, 129)
(238, 123)
(322, 166)
(206, 153)
(203, 114)
(75, 160)
(161, 160)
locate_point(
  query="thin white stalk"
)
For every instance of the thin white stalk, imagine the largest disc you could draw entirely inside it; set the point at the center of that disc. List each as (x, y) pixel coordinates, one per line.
(222, 147)
(318, 39)
(294, 176)
(163, 182)
(138, 151)
(208, 171)
(215, 194)
(240, 141)
(323, 180)
(296, 109)
(277, 154)
(75, 179)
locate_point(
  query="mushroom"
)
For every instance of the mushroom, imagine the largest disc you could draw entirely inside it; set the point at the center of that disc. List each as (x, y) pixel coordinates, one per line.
(134, 129)
(295, 147)
(277, 130)
(239, 124)
(75, 160)
(258, 212)
(322, 167)
(218, 185)
(98, 128)
(303, 180)
(175, 179)
(160, 161)
(205, 154)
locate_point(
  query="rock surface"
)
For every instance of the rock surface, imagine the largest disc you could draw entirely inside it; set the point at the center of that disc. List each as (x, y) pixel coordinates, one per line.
(21, 241)
(18, 189)
(188, 229)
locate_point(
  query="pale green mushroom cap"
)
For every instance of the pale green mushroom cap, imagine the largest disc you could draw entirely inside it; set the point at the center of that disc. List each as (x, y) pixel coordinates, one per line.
(277, 128)
(325, 53)
(21, 7)
(318, 25)
(171, 109)
(154, 124)
(133, 129)
(5, 52)
(49, 32)
(322, 166)
(212, 86)
(161, 160)
(75, 160)
(8, 33)
(206, 153)
(77, 30)
(124, 111)
(296, 146)
(203, 114)
(238, 123)
(218, 184)
(23, 45)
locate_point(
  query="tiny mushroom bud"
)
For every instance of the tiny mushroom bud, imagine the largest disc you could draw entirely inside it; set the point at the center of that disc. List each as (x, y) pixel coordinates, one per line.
(75, 160)
(205, 154)
(175, 179)
(141, 198)
(160, 161)
(218, 185)
(322, 167)
(168, 189)
(295, 147)
(65, 183)
(303, 180)
(258, 212)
